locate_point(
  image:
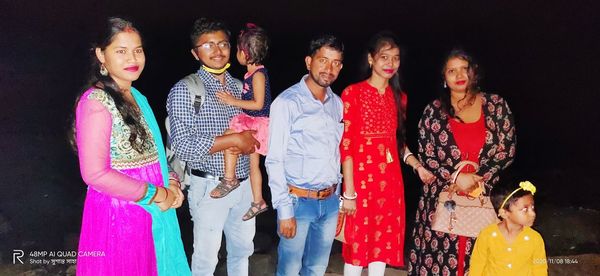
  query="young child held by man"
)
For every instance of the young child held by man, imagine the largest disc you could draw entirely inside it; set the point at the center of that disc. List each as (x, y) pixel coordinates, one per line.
(252, 49)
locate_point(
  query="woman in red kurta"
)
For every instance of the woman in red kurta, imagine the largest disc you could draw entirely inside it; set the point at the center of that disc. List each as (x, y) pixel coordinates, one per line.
(373, 187)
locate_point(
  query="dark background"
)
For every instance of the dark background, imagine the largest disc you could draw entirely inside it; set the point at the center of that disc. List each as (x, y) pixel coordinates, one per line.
(541, 56)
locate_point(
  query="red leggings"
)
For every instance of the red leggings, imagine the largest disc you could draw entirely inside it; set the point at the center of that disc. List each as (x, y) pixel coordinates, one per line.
(462, 246)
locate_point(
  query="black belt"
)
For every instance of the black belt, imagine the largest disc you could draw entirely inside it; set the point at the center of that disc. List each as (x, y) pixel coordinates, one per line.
(206, 175)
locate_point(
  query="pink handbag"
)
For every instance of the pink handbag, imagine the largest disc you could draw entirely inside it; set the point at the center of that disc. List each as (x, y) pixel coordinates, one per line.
(463, 215)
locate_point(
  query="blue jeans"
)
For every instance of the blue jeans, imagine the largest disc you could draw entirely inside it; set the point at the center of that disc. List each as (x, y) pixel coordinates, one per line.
(308, 252)
(211, 218)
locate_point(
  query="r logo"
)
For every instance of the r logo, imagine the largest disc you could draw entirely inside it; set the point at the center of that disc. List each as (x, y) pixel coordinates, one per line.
(17, 254)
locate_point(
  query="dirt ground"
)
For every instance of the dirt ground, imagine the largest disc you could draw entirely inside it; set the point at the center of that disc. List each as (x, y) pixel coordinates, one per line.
(575, 265)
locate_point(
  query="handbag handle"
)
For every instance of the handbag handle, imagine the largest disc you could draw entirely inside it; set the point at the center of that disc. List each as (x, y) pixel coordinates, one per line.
(458, 167)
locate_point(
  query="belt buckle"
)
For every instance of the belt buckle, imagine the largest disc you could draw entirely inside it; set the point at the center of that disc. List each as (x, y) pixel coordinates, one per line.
(323, 193)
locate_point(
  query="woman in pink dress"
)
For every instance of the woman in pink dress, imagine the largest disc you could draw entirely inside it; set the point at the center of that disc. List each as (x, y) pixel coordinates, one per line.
(129, 226)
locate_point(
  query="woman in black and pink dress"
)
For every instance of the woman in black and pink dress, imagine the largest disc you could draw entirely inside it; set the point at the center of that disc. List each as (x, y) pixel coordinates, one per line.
(462, 124)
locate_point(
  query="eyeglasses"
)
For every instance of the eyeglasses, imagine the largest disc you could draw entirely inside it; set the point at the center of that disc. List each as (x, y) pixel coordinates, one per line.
(211, 46)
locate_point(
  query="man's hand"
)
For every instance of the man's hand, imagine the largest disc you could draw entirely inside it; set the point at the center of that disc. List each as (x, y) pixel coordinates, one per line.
(287, 227)
(245, 142)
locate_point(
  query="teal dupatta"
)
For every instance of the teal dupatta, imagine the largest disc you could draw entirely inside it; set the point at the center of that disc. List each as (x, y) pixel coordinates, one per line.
(170, 255)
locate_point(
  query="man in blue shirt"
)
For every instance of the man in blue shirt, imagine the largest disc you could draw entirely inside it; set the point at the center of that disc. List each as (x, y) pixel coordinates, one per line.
(303, 162)
(197, 138)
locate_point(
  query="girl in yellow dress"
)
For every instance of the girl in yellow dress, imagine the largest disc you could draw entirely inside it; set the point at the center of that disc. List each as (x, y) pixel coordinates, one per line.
(510, 247)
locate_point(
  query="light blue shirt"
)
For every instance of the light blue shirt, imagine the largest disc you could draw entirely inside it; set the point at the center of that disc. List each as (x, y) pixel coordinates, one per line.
(305, 135)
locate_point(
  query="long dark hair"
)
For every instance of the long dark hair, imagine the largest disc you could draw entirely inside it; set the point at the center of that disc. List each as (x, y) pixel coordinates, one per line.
(129, 113)
(474, 78)
(376, 43)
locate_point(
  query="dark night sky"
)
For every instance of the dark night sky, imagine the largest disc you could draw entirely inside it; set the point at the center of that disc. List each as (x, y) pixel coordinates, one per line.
(542, 57)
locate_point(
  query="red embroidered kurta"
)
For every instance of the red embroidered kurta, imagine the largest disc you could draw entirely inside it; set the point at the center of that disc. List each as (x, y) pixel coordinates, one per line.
(376, 231)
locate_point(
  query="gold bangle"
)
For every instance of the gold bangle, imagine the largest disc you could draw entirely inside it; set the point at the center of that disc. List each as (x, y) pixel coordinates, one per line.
(166, 195)
(153, 196)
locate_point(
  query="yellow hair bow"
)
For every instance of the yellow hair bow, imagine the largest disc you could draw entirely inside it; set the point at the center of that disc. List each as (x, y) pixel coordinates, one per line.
(525, 186)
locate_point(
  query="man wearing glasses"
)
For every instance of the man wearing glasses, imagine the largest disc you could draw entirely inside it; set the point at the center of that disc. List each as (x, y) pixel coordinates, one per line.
(197, 138)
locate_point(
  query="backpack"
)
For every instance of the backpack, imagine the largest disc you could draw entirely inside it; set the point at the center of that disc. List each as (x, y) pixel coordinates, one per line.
(195, 85)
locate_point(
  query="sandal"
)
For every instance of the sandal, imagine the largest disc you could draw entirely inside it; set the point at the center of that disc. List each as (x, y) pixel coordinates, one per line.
(258, 206)
(224, 188)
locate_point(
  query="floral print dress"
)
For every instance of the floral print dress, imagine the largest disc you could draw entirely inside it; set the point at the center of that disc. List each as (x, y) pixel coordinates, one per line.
(436, 253)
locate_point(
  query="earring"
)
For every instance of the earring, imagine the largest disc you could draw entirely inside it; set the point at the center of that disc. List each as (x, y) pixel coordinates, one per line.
(103, 70)
(445, 85)
(370, 65)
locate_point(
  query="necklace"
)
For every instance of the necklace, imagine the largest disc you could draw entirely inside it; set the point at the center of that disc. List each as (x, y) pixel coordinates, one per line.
(470, 101)
(458, 109)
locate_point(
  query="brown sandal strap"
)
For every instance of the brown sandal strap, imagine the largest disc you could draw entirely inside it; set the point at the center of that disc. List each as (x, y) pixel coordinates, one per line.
(225, 187)
(251, 213)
